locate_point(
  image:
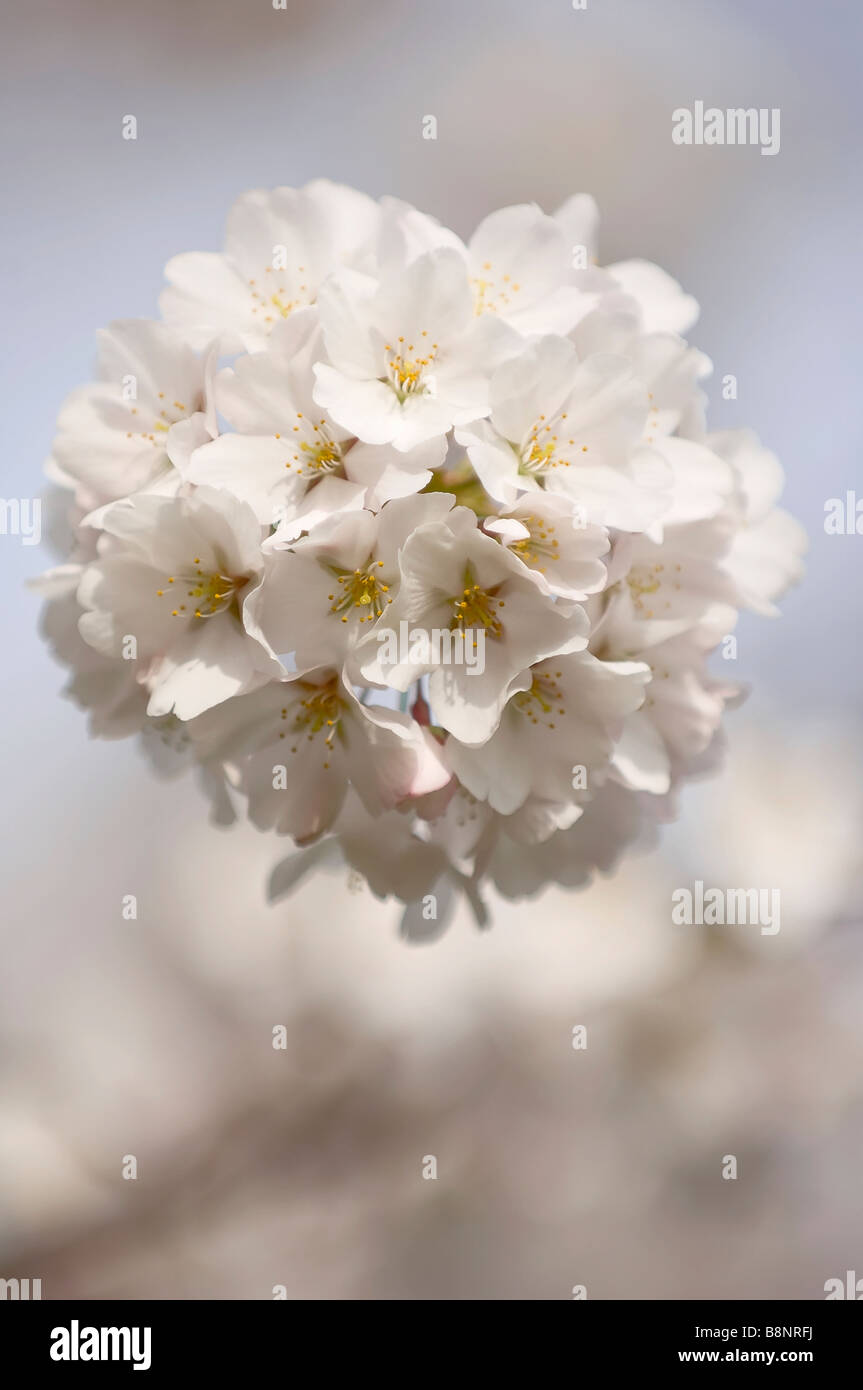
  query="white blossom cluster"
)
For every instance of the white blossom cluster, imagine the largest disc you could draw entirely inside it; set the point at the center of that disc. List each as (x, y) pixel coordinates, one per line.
(418, 547)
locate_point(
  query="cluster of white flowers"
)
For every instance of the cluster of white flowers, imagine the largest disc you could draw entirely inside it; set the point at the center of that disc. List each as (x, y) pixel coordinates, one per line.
(418, 547)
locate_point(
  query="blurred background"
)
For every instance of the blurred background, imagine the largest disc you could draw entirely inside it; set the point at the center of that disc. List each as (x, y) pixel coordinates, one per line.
(303, 1167)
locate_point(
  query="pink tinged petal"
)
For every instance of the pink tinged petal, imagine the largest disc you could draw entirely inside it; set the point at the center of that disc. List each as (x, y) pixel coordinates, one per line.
(394, 758)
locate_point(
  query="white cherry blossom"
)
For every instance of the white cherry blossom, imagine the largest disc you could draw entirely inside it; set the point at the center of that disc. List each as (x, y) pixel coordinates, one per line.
(456, 579)
(415, 547)
(299, 743)
(321, 595)
(280, 245)
(283, 443)
(168, 592)
(571, 427)
(408, 358)
(114, 436)
(568, 717)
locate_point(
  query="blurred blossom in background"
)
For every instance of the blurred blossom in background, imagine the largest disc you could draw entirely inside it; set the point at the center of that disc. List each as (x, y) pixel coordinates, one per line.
(556, 1166)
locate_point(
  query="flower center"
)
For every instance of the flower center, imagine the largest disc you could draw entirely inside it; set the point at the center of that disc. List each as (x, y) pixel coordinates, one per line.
(318, 713)
(645, 581)
(211, 593)
(492, 295)
(476, 608)
(361, 588)
(168, 415)
(406, 365)
(543, 450)
(273, 298)
(539, 545)
(318, 453)
(543, 699)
